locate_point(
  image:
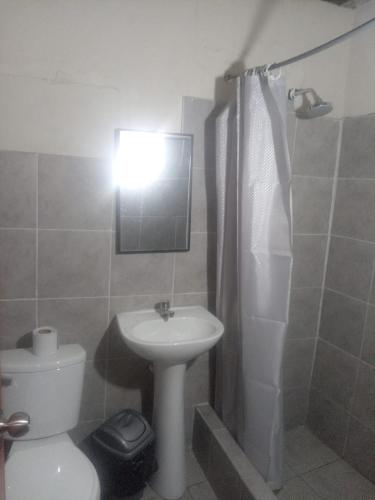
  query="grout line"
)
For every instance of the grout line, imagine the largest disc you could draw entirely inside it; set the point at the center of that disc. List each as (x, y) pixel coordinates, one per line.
(294, 142)
(52, 298)
(97, 297)
(367, 307)
(37, 244)
(351, 179)
(310, 234)
(74, 230)
(28, 299)
(322, 177)
(328, 244)
(301, 477)
(306, 287)
(203, 232)
(182, 130)
(18, 228)
(344, 237)
(351, 405)
(346, 295)
(108, 333)
(37, 228)
(80, 230)
(352, 356)
(292, 339)
(345, 410)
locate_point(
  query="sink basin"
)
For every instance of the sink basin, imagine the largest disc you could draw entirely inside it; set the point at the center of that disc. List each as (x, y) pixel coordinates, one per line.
(170, 345)
(192, 331)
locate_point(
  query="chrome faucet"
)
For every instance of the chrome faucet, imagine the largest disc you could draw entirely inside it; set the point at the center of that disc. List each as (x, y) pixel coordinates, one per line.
(163, 309)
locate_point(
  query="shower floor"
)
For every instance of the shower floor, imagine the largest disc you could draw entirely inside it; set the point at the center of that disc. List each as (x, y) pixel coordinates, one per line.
(313, 471)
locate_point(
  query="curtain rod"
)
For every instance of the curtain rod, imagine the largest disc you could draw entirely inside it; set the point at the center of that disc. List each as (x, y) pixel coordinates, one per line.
(304, 55)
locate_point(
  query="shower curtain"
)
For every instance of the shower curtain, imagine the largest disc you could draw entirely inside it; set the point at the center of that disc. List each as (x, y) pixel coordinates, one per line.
(254, 267)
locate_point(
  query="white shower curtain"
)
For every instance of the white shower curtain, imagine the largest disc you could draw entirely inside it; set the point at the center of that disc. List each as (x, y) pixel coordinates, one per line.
(254, 267)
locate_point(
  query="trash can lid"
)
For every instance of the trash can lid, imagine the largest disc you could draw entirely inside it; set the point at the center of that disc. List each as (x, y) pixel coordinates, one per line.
(124, 435)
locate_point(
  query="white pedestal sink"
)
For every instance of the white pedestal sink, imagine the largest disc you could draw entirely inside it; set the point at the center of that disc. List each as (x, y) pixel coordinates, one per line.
(170, 344)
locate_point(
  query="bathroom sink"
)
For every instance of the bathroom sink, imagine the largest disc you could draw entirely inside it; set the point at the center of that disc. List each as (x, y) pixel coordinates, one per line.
(189, 333)
(170, 343)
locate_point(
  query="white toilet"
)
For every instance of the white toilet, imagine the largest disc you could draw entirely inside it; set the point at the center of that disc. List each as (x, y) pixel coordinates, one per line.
(44, 464)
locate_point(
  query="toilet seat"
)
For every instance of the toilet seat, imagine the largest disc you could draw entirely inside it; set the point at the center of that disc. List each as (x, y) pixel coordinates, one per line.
(50, 468)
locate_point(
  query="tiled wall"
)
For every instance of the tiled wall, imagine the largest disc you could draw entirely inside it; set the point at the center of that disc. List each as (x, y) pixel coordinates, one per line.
(58, 266)
(313, 148)
(342, 405)
(225, 465)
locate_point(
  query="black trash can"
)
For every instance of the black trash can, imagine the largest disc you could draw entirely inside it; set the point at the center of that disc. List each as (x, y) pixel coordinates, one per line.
(123, 453)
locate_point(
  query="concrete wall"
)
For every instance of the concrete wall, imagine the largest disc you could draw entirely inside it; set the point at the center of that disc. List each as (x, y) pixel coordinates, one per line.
(72, 71)
(360, 96)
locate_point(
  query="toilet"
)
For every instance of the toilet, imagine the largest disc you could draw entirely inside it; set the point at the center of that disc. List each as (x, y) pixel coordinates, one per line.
(44, 463)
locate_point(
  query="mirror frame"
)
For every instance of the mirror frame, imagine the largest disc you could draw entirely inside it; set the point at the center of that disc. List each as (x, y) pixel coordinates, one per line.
(118, 194)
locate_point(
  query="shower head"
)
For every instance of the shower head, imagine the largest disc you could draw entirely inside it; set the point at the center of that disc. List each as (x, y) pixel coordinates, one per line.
(310, 109)
(314, 110)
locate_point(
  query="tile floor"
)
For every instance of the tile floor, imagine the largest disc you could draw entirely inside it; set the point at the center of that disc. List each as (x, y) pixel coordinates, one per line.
(197, 486)
(313, 472)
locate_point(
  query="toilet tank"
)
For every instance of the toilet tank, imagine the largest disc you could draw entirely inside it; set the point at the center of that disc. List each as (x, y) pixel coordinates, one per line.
(48, 389)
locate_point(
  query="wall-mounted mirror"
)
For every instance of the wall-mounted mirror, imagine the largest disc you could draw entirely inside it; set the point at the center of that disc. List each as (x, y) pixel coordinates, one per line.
(153, 178)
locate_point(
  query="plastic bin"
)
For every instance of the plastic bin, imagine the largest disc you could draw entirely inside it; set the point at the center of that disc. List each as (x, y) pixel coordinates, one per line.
(123, 453)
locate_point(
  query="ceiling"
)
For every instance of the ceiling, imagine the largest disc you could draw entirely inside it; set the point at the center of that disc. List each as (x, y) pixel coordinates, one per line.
(347, 3)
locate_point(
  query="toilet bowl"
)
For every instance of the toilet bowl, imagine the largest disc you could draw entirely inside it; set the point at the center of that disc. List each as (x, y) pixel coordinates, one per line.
(50, 469)
(44, 463)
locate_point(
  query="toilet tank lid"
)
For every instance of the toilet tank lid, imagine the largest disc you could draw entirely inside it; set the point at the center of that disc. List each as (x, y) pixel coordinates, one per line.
(24, 361)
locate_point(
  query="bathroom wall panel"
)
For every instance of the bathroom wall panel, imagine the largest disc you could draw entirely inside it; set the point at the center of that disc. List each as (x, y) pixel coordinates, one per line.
(17, 319)
(342, 412)
(304, 311)
(74, 193)
(350, 266)
(313, 151)
(342, 321)
(18, 177)
(364, 401)
(78, 321)
(203, 216)
(355, 205)
(296, 401)
(308, 260)
(316, 147)
(196, 117)
(329, 421)
(141, 274)
(358, 147)
(298, 356)
(129, 385)
(368, 348)
(93, 396)
(335, 374)
(360, 449)
(195, 271)
(17, 263)
(311, 204)
(63, 269)
(73, 263)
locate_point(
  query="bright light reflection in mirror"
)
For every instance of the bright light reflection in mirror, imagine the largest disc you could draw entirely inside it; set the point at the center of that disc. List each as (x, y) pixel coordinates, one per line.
(140, 159)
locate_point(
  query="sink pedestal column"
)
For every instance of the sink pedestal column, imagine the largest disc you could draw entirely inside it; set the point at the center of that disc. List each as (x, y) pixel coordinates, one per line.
(168, 423)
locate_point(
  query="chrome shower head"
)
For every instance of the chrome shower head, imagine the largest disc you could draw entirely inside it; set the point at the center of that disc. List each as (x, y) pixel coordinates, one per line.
(310, 109)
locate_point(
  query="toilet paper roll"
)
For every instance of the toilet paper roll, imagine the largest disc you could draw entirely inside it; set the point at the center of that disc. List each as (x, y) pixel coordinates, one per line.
(44, 341)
